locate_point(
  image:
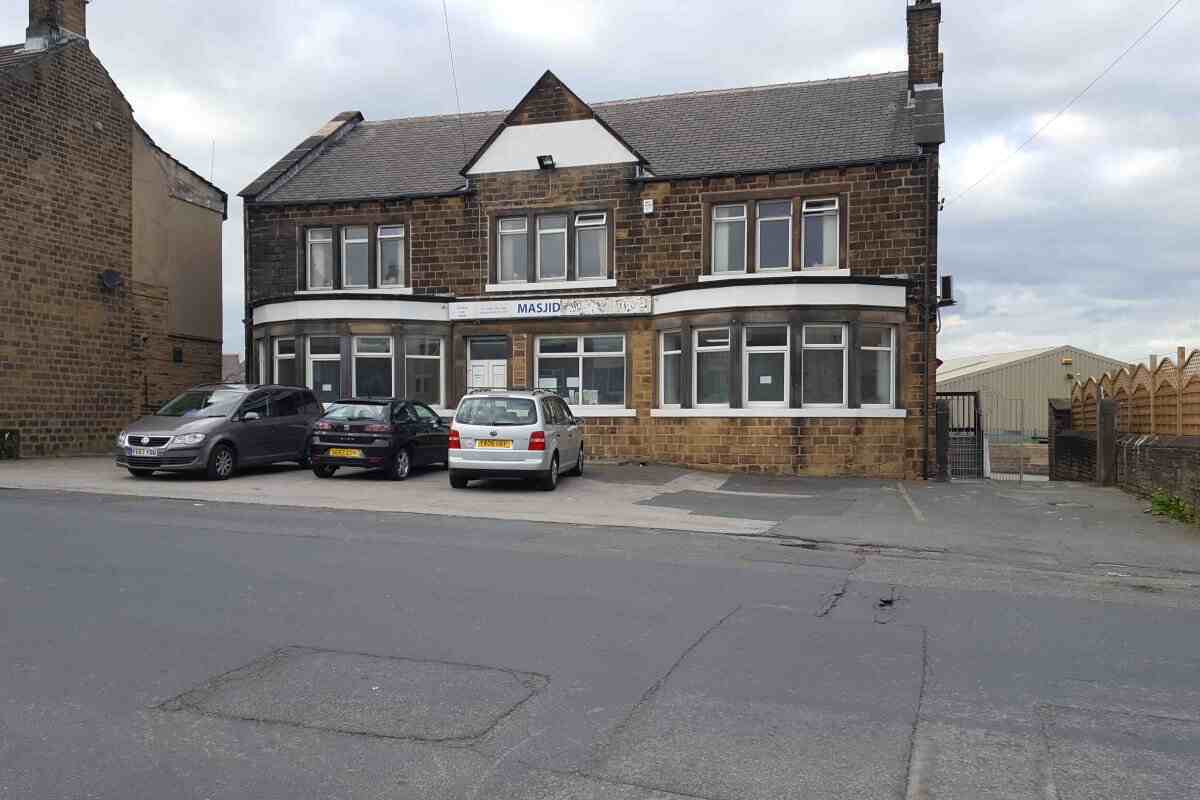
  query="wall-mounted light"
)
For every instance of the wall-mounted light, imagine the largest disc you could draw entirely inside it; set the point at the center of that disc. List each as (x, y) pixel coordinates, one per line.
(545, 162)
(111, 279)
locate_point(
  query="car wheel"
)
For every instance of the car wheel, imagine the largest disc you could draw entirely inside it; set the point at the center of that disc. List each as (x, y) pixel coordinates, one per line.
(401, 464)
(457, 481)
(140, 473)
(549, 481)
(221, 463)
(324, 470)
(578, 468)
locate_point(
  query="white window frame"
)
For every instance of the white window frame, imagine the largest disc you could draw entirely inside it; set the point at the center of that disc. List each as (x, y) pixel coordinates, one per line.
(891, 349)
(346, 240)
(663, 352)
(278, 357)
(390, 356)
(822, 211)
(696, 351)
(500, 234)
(315, 236)
(440, 358)
(260, 360)
(312, 359)
(380, 238)
(580, 354)
(784, 349)
(552, 232)
(805, 347)
(758, 221)
(745, 238)
(587, 221)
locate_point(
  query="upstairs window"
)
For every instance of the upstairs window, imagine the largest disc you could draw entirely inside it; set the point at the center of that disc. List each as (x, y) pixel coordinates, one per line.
(774, 245)
(513, 255)
(821, 234)
(591, 246)
(729, 238)
(320, 258)
(391, 255)
(552, 247)
(356, 266)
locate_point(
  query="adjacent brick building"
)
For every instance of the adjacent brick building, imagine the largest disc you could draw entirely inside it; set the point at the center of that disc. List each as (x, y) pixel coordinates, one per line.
(738, 279)
(102, 236)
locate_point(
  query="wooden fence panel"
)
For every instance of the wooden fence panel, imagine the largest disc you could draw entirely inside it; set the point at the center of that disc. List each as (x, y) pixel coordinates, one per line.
(1166, 410)
(1191, 407)
(1140, 405)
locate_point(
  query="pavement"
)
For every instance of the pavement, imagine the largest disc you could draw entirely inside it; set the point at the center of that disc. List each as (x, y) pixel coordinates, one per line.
(873, 640)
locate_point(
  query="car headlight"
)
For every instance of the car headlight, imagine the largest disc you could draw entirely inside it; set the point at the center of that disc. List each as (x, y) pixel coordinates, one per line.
(188, 439)
(121, 438)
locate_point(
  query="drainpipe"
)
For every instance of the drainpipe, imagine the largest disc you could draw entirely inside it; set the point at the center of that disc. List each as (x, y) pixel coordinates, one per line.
(925, 307)
(248, 319)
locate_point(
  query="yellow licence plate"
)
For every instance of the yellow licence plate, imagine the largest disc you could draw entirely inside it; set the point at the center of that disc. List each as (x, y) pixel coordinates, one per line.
(501, 444)
(345, 452)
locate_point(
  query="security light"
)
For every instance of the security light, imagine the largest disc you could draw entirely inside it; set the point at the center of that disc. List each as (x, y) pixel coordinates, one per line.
(545, 162)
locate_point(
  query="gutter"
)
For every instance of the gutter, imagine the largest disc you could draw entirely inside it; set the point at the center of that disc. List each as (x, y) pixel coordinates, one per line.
(864, 162)
(460, 192)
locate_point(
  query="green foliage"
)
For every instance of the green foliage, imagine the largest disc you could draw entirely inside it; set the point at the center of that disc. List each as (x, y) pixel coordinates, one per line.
(1164, 504)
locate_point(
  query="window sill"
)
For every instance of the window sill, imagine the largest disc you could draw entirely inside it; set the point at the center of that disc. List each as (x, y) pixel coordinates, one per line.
(585, 412)
(381, 290)
(541, 286)
(763, 411)
(775, 273)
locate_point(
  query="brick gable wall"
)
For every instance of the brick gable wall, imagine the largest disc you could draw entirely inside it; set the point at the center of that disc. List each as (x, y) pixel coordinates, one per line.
(549, 101)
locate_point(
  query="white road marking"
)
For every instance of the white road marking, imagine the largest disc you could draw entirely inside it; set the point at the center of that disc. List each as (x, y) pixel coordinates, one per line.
(913, 506)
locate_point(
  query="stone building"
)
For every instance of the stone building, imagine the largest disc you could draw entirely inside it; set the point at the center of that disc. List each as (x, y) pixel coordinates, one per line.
(110, 249)
(737, 279)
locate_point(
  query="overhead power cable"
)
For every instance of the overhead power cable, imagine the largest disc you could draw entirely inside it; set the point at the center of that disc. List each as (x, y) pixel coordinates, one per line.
(462, 133)
(1004, 161)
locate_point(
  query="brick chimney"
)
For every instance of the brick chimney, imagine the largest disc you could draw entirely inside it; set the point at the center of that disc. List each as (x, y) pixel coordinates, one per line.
(54, 20)
(924, 57)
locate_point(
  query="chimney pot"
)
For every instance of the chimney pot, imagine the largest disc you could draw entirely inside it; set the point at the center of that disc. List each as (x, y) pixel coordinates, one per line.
(51, 18)
(924, 55)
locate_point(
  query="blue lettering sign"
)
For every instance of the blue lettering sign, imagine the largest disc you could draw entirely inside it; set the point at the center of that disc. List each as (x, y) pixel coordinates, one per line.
(547, 308)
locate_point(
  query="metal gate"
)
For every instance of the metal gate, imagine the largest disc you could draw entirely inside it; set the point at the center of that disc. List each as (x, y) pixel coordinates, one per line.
(1011, 449)
(966, 442)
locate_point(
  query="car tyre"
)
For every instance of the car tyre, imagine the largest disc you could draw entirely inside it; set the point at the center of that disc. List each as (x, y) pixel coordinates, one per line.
(401, 465)
(222, 463)
(324, 470)
(140, 473)
(457, 481)
(549, 481)
(577, 470)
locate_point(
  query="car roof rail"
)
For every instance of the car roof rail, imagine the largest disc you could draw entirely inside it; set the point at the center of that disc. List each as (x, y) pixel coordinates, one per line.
(486, 389)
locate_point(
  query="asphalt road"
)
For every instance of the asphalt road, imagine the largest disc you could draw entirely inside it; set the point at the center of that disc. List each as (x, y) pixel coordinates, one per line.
(177, 648)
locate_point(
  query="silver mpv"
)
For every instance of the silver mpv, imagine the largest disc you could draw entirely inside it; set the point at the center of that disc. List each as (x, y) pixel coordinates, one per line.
(514, 434)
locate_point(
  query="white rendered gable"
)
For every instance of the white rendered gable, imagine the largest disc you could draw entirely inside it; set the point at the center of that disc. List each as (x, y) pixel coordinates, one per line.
(577, 143)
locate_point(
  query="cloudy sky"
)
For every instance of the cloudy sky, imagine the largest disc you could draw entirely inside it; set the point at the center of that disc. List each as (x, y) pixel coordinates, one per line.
(1089, 236)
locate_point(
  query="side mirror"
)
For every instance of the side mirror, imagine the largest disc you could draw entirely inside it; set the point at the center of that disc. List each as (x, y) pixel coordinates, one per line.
(250, 415)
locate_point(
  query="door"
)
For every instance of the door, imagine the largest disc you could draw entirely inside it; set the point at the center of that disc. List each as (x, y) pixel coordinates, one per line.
(487, 366)
(289, 428)
(252, 430)
(572, 433)
(433, 435)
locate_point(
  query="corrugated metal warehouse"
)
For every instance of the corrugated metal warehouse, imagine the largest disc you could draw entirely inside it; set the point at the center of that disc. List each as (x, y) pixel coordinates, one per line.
(1014, 388)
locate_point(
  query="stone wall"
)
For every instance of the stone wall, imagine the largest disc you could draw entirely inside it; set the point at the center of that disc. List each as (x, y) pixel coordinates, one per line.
(1170, 464)
(1074, 457)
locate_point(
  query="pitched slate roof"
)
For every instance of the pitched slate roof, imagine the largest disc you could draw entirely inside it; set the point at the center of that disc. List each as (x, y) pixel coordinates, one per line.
(12, 55)
(755, 129)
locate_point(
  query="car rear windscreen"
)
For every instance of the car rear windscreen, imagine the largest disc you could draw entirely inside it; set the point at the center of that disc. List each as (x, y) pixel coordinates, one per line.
(496, 411)
(351, 412)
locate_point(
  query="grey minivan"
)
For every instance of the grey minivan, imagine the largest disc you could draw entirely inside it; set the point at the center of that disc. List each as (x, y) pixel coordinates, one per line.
(220, 427)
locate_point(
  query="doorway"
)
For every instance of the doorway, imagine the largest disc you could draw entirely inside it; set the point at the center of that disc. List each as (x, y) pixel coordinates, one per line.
(487, 364)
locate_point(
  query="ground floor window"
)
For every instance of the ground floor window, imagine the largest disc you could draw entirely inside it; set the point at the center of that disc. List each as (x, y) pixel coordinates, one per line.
(260, 361)
(876, 363)
(423, 369)
(325, 367)
(583, 370)
(765, 368)
(285, 362)
(670, 367)
(710, 367)
(823, 382)
(373, 366)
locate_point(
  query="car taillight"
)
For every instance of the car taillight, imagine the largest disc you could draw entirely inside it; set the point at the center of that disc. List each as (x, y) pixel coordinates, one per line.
(455, 440)
(323, 426)
(537, 440)
(378, 428)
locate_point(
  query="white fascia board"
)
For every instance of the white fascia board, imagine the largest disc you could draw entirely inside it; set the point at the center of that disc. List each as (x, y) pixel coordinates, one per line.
(770, 295)
(578, 143)
(295, 310)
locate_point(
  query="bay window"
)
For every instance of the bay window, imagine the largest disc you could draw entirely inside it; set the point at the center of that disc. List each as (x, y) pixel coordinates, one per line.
(320, 258)
(710, 367)
(355, 258)
(583, 370)
(423, 369)
(390, 255)
(372, 366)
(260, 361)
(766, 371)
(513, 253)
(670, 368)
(774, 244)
(729, 238)
(285, 363)
(591, 246)
(325, 367)
(823, 379)
(876, 362)
(821, 234)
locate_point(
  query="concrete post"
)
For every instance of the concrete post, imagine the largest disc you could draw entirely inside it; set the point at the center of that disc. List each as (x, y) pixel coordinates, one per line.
(1106, 443)
(942, 440)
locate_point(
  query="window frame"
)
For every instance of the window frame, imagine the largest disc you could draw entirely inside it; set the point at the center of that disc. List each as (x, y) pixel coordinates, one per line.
(743, 220)
(662, 368)
(311, 358)
(308, 259)
(345, 241)
(785, 350)
(891, 350)
(260, 360)
(380, 238)
(844, 347)
(500, 234)
(837, 223)
(759, 219)
(564, 232)
(696, 351)
(440, 358)
(390, 356)
(277, 357)
(578, 228)
(580, 354)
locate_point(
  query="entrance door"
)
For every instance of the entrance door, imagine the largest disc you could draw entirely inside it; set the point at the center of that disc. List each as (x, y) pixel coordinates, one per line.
(487, 367)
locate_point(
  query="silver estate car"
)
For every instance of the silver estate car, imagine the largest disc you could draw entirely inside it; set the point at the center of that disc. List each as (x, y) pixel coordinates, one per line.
(514, 434)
